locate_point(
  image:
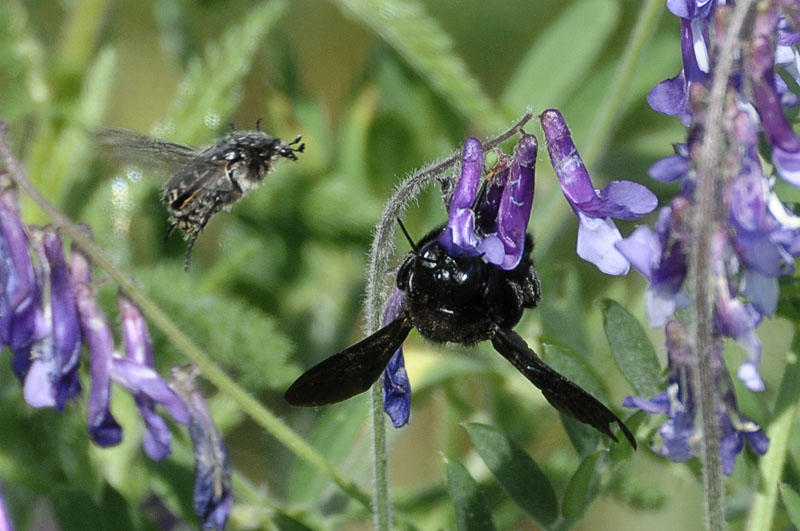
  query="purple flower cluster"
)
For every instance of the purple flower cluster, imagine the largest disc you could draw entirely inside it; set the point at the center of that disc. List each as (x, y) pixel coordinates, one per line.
(758, 238)
(48, 311)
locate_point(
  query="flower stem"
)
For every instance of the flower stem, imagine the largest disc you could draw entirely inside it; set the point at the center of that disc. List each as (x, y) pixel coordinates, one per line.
(701, 268)
(211, 371)
(380, 252)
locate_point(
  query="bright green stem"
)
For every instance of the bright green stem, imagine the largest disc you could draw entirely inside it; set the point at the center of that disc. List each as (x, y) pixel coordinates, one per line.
(609, 113)
(254, 409)
(771, 465)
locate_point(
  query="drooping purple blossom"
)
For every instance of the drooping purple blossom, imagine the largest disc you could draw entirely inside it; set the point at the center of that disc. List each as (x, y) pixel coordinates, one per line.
(680, 439)
(137, 373)
(212, 488)
(103, 427)
(496, 227)
(759, 65)
(597, 233)
(396, 388)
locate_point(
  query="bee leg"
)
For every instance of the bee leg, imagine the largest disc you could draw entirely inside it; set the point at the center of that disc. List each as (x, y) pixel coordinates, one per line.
(170, 230)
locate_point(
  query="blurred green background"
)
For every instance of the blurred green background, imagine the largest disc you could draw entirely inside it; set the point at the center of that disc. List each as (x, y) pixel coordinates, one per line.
(377, 89)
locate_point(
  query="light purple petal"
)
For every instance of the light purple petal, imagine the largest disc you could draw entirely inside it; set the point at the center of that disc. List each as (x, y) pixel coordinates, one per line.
(5, 520)
(763, 292)
(157, 437)
(670, 168)
(596, 244)
(788, 165)
(662, 302)
(139, 379)
(657, 404)
(669, 97)
(625, 200)
(643, 250)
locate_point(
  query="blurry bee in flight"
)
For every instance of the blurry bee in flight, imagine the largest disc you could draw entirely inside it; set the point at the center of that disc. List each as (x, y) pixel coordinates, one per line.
(466, 282)
(205, 180)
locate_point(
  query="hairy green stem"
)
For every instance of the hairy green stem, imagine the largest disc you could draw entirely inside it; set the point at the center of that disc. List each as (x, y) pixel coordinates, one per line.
(211, 371)
(380, 252)
(704, 223)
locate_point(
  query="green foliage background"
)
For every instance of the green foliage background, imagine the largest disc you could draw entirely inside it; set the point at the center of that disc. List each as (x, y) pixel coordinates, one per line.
(377, 89)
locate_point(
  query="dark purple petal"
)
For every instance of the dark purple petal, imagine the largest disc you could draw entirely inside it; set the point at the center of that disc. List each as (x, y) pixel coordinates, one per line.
(497, 179)
(572, 174)
(596, 244)
(157, 437)
(516, 202)
(670, 168)
(103, 428)
(460, 232)
(397, 390)
(788, 164)
(212, 488)
(396, 387)
(66, 324)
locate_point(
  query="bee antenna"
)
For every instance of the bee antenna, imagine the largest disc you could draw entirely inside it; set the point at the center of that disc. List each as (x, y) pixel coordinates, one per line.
(299, 148)
(408, 236)
(258, 124)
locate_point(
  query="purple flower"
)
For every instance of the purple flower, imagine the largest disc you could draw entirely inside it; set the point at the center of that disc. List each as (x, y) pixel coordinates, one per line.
(212, 488)
(661, 258)
(137, 373)
(679, 439)
(597, 234)
(103, 428)
(53, 374)
(496, 226)
(22, 320)
(759, 65)
(396, 388)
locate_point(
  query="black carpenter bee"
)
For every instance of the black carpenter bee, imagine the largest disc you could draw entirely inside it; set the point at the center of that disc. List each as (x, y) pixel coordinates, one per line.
(205, 180)
(465, 282)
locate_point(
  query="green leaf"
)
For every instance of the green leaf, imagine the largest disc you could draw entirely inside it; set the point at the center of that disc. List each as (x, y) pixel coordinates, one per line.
(247, 342)
(789, 302)
(209, 92)
(517, 472)
(335, 433)
(472, 511)
(559, 59)
(422, 42)
(792, 502)
(632, 349)
(583, 487)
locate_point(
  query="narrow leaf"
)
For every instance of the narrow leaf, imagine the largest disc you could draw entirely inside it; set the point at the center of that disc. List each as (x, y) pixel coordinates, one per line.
(582, 487)
(472, 511)
(632, 349)
(792, 502)
(517, 472)
(559, 59)
(420, 39)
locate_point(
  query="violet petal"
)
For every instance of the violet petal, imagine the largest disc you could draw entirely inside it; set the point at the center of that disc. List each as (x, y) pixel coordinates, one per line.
(516, 202)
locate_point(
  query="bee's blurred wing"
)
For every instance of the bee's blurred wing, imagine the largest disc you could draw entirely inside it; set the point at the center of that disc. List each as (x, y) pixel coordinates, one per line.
(136, 148)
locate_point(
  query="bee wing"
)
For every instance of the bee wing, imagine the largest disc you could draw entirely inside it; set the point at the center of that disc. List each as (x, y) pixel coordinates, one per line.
(562, 393)
(351, 371)
(136, 148)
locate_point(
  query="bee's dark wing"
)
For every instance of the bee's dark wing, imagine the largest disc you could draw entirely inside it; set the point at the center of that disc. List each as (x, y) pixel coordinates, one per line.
(136, 148)
(351, 371)
(562, 393)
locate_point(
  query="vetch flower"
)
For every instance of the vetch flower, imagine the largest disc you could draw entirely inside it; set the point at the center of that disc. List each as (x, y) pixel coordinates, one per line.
(492, 223)
(661, 258)
(597, 233)
(137, 373)
(680, 438)
(212, 488)
(5, 521)
(396, 388)
(103, 427)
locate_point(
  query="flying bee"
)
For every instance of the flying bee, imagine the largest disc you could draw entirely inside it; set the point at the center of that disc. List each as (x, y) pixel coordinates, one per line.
(205, 180)
(465, 282)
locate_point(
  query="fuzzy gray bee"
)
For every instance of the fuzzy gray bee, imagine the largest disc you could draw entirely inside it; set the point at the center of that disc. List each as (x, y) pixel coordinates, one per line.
(204, 180)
